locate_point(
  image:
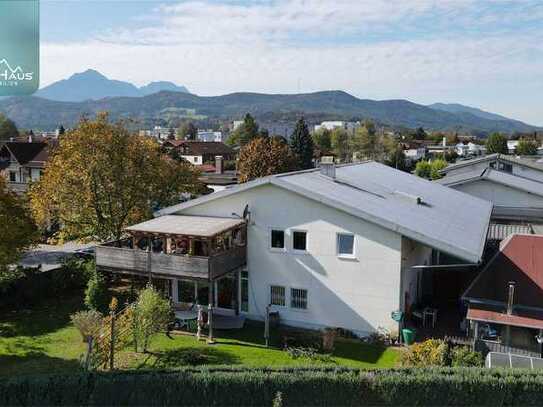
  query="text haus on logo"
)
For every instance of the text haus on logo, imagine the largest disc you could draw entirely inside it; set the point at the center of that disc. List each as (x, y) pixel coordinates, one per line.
(11, 75)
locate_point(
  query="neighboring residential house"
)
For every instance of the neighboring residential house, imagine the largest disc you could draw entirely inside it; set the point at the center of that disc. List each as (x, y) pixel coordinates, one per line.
(329, 247)
(202, 152)
(331, 125)
(513, 185)
(160, 133)
(210, 135)
(505, 302)
(415, 154)
(512, 146)
(22, 163)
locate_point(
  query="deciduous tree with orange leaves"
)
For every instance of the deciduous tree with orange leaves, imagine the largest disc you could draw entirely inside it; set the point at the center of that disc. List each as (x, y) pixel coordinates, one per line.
(18, 229)
(265, 156)
(101, 178)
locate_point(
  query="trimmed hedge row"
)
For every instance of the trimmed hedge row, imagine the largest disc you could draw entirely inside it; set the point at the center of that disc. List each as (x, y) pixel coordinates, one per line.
(298, 387)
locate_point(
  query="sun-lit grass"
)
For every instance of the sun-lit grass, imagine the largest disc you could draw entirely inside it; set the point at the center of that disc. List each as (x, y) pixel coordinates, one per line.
(42, 340)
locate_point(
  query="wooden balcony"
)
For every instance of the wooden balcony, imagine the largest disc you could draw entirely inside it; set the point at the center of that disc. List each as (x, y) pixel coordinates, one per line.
(135, 261)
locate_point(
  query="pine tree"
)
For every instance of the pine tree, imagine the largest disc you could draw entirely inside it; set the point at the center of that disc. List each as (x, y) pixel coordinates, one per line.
(301, 144)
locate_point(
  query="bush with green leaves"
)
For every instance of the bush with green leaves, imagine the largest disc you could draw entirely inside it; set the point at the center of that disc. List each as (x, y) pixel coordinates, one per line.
(152, 314)
(88, 323)
(432, 352)
(463, 356)
(97, 294)
(298, 386)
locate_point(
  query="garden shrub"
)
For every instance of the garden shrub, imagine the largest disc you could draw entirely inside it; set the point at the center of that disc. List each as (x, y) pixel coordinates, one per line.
(463, 356)
(88, 323)
(432, 352)
(300, 386)
(97, 294)
(152, 313)
(31, 286)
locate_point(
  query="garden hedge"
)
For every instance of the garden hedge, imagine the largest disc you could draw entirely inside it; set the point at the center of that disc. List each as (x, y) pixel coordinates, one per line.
(322, 386)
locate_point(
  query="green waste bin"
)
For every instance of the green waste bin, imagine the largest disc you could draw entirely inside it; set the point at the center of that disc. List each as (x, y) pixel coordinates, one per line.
(408, 336)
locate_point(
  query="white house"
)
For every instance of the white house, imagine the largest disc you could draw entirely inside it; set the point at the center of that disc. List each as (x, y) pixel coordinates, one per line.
(331, 125)
(210, 135)
(330, 247)
(513, 185)
(22, 163)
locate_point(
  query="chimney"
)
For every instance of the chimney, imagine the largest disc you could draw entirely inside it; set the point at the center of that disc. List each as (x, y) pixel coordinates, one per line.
(328, 167)
(510, 297)
(218, 164)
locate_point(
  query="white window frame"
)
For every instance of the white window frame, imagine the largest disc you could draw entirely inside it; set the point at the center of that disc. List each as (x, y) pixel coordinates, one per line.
(290, 298)
(286, 299)
(277, 249)
(298, 251)
(345, 255)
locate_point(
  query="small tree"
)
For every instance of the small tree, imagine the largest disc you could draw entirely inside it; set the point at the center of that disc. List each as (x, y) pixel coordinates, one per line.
(496, 143)
(526, 147)
(301, 144)
(188, 131)
(8, 129)
(88, 323)
(152, 314)
(322, 142)
(246, 132)
(436, 166)
(339, 140)
(423, 169)
(96, 294)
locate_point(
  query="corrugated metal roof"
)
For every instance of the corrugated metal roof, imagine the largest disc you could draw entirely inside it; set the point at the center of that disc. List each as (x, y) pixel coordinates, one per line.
(500, 231)
(203, 226)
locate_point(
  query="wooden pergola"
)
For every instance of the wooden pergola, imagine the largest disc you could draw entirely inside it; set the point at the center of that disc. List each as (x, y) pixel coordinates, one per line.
(189, 235)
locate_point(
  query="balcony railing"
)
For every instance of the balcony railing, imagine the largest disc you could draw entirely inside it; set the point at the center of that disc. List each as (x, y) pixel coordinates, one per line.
(169, 265)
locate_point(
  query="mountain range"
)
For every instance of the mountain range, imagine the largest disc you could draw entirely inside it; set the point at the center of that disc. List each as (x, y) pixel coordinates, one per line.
(87, 93)
(92, 85)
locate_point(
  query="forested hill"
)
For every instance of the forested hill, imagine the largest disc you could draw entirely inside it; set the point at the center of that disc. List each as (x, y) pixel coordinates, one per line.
(34, 112)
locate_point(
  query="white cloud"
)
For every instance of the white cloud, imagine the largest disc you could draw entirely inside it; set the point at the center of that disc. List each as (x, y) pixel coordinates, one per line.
(353, 45)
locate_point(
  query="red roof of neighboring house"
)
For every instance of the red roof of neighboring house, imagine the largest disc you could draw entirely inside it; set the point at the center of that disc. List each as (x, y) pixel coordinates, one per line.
(519, 260)
(494, 317)
(206, 168)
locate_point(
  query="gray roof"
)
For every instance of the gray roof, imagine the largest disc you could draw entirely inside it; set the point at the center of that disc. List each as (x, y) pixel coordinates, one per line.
(412, 206)
(500, 157)
(202, 226)
(499, 177)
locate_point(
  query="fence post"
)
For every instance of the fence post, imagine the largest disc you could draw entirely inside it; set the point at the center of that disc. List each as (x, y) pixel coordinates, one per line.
(112, 342)
(90, 340)
(267, 326)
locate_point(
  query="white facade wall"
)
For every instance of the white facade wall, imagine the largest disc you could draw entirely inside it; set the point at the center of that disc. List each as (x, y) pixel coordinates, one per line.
(194, 159)
(356, 294)
(500, 195)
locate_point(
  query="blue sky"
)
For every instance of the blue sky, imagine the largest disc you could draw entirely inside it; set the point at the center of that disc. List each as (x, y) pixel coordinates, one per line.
(487, 54)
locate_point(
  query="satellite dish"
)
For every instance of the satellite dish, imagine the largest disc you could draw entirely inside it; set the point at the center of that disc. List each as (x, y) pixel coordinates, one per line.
(246, 212)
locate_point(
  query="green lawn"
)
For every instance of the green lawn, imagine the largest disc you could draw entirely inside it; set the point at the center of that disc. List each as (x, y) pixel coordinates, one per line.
(43, 340)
